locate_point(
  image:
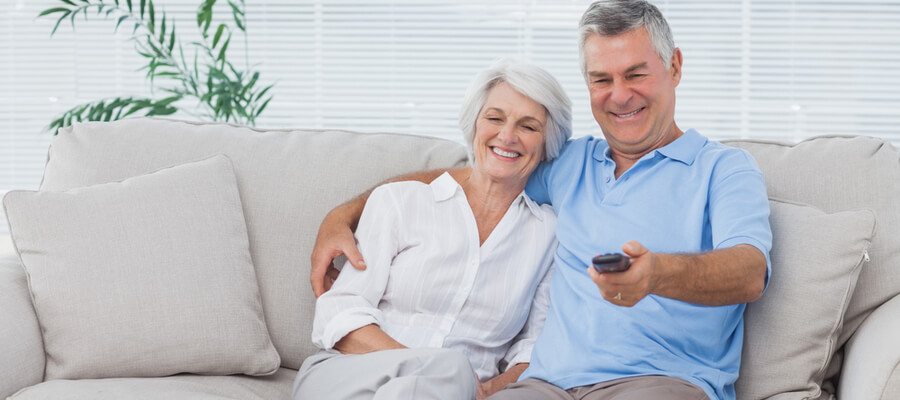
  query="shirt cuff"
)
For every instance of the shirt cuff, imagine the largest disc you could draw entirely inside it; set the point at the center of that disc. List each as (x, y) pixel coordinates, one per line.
(519, 352)
(345, 322)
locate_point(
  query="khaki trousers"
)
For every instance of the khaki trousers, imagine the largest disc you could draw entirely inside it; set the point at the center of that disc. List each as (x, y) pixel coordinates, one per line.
(636, 388)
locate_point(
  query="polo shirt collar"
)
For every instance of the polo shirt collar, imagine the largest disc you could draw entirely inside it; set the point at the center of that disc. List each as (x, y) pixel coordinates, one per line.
(684, 149)
(445, 187)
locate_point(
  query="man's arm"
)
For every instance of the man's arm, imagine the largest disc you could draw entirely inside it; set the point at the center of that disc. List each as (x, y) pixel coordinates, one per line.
(335, 235)
(719, 277)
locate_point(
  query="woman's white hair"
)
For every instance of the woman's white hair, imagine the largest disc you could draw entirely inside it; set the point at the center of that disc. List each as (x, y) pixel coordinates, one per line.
(531, 81)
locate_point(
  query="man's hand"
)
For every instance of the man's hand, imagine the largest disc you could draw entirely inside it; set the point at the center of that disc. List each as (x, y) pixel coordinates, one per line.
(629, 287)
(715, 278)
(335, 237)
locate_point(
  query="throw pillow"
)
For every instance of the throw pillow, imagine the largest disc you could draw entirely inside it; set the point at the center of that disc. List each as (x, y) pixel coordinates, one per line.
(791, 332)
(150, 276)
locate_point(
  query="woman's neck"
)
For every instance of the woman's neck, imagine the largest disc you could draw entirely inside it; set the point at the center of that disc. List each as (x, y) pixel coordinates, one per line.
(489, 199)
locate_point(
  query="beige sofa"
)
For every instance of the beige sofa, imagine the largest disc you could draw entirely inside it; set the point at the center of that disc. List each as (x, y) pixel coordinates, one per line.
(828, 323)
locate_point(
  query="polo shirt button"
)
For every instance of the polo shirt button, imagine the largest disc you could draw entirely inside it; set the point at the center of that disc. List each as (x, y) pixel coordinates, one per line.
(607, 179)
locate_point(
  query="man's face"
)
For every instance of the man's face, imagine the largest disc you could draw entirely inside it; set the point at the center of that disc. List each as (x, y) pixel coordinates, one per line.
(632, 92)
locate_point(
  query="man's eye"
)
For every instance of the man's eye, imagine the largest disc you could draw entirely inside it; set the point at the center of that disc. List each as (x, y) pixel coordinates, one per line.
(634, 76)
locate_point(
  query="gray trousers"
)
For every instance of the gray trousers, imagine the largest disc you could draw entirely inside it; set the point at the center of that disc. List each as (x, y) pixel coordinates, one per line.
(637, 388)
(386, 375)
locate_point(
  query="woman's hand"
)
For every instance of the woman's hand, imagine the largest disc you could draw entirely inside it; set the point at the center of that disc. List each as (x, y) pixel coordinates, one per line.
(491, 386)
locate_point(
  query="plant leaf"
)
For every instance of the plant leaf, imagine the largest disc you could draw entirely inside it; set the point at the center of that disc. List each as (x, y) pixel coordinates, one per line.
(59, 21)
(172, 40)
(224, 48)
(238, 15)
(54, 10)
(152, 16)
(122, 18)
(162, 31)
(218, 35)
(143, 6)
(262, 107)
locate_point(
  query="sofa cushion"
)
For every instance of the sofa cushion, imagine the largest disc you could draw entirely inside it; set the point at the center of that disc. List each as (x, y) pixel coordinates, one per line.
(791, 332)
(193, 387)
(150, 276)
(23, 360)
(288, 181)
(835, 173)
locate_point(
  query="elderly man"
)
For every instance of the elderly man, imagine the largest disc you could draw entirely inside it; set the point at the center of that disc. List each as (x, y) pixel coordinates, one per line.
(690, 213)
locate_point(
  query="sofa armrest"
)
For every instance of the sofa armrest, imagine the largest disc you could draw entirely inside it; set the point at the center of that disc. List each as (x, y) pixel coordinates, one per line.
(22, 356)
(871, 367)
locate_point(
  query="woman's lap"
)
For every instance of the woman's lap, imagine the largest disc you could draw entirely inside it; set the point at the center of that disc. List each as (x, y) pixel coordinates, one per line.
(403, 373)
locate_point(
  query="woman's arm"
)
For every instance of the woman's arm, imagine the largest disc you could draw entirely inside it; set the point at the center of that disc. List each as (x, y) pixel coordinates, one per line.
(367, 339)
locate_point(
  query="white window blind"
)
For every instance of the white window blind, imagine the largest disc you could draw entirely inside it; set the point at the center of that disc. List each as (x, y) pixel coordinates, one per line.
(775, 69)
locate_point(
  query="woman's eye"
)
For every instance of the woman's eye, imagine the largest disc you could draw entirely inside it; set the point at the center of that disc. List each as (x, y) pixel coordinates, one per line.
(530, 128)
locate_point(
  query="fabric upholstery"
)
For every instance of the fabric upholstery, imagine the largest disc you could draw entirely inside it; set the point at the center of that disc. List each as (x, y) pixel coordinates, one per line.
(835, 173)
(22, 362)
(872, 363)
(288, 181)
(840, 173)
(791, 332)
(150, 276)
(193, 387)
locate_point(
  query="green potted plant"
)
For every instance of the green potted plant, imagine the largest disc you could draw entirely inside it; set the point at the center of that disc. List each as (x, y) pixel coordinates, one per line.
(207, 84)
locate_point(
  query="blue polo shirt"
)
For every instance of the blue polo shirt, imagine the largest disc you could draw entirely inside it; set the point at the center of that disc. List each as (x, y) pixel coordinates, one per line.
(691, 196)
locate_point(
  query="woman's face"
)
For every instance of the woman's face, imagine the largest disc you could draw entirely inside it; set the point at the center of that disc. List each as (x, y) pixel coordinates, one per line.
(509, 135)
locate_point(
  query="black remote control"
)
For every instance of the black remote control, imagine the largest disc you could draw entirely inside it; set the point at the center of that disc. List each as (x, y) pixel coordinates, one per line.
(611, 262)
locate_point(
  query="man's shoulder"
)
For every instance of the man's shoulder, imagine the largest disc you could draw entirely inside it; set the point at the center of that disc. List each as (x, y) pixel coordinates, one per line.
(721, 155)
(579, 148)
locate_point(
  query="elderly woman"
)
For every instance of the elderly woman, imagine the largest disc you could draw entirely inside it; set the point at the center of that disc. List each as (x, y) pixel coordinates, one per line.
(458, 269)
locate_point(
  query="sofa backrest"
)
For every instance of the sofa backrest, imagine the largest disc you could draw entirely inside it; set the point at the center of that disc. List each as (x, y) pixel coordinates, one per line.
(841, 173)
(288, 181)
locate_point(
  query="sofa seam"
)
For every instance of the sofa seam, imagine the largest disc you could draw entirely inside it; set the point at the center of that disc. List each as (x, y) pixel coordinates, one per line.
(893, 372)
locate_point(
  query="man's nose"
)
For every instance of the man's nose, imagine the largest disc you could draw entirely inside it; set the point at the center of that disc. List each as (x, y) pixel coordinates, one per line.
(621, 93)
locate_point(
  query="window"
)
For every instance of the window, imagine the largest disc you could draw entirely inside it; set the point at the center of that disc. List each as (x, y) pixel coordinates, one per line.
(774, 69)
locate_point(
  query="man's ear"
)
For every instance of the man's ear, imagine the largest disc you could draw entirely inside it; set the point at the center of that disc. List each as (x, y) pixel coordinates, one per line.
(675, 66)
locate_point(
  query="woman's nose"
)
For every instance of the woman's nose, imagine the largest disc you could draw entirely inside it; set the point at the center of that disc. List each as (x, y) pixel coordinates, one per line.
(507, 133)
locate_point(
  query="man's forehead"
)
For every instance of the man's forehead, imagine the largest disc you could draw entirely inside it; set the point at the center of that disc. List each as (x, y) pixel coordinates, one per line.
(620, 53)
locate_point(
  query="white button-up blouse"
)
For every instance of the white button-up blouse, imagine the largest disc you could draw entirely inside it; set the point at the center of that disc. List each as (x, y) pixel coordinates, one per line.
(430, 284)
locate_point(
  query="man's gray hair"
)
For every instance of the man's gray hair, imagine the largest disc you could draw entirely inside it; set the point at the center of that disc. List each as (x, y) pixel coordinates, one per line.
(531, 81)
(614, 17)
